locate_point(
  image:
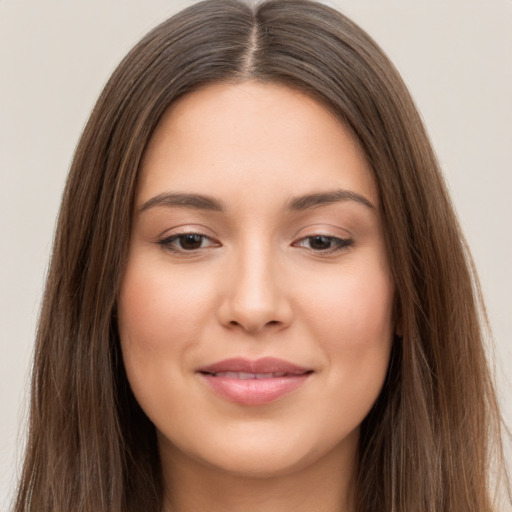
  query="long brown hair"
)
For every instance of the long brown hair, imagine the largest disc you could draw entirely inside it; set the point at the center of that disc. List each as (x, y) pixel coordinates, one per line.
(429, 441)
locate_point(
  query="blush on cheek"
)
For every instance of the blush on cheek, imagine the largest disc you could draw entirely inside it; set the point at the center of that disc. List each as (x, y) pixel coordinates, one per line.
(144, 299)
(361, 308)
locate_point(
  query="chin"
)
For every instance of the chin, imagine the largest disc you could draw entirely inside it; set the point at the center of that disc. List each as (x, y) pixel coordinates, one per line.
(252, 454)
(261, 462)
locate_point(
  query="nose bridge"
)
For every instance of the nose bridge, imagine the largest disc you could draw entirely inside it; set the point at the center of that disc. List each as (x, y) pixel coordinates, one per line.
(255, 297)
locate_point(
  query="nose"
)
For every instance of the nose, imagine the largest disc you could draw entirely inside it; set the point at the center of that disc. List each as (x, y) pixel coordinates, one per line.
(255, 296)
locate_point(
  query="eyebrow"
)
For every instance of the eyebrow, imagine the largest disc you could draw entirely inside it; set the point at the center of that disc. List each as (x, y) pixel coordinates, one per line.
(194, 201)
(299, 203)
(318, 199)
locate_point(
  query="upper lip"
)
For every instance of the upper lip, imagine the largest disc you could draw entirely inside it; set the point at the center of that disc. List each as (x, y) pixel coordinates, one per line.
(258, 366)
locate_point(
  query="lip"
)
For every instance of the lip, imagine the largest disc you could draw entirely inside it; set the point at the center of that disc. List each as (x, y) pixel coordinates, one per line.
(255, 382)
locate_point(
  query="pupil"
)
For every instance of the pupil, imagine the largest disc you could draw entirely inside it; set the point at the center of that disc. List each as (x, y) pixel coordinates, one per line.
(191, 241)
(320, 242)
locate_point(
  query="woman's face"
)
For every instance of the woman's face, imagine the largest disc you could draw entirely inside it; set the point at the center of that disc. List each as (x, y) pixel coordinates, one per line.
(255, 312)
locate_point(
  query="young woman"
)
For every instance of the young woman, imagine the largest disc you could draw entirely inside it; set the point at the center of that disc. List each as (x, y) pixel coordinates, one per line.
(259, 298)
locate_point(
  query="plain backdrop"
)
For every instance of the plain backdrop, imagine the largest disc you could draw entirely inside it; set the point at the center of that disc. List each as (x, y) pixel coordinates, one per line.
(56, 55)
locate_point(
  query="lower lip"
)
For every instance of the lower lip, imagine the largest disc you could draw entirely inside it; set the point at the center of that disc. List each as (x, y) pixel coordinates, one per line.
(255, 391)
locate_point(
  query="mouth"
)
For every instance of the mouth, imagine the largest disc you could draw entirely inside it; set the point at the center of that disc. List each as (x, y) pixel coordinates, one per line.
(246, 375)
(254, 382)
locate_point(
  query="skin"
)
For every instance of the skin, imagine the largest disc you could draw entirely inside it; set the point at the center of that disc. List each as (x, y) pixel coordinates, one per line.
(256, 284)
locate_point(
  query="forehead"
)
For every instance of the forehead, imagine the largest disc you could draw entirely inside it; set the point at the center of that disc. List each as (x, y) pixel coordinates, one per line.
(229, 137)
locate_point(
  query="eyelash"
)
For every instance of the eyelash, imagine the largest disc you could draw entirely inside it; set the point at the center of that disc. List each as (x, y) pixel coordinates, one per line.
(167, 242)
(336, 244)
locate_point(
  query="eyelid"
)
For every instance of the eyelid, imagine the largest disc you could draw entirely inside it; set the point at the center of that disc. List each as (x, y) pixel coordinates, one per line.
(341, 244)
(166, 241)
(337, 243)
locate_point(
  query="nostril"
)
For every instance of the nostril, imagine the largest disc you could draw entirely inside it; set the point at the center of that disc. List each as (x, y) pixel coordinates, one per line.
(270, 323)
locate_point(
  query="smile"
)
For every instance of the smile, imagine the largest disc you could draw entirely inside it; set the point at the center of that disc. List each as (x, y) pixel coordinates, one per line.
(254, 382)
(247, 376)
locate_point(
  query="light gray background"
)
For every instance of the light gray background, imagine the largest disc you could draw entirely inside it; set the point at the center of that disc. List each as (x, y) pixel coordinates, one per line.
(55, 56)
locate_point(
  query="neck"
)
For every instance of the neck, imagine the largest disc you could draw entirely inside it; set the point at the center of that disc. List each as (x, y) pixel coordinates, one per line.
(327, 485)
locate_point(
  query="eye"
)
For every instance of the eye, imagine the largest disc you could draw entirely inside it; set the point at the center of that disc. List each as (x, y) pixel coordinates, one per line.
(324, 243)
(187, 242)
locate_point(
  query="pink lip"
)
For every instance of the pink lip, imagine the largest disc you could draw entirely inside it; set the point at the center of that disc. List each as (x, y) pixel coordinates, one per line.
(258, 389)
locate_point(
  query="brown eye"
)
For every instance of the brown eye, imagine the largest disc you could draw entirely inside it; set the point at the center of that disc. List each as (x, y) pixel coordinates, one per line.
(324, 243)
(190, 242)
(320, 243)
(187, 242)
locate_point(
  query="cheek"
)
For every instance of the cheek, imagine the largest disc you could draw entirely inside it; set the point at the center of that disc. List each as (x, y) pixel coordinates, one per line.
(159, 316)
(145, 306)
(353, 320)
(354, 308)
(159, 310)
